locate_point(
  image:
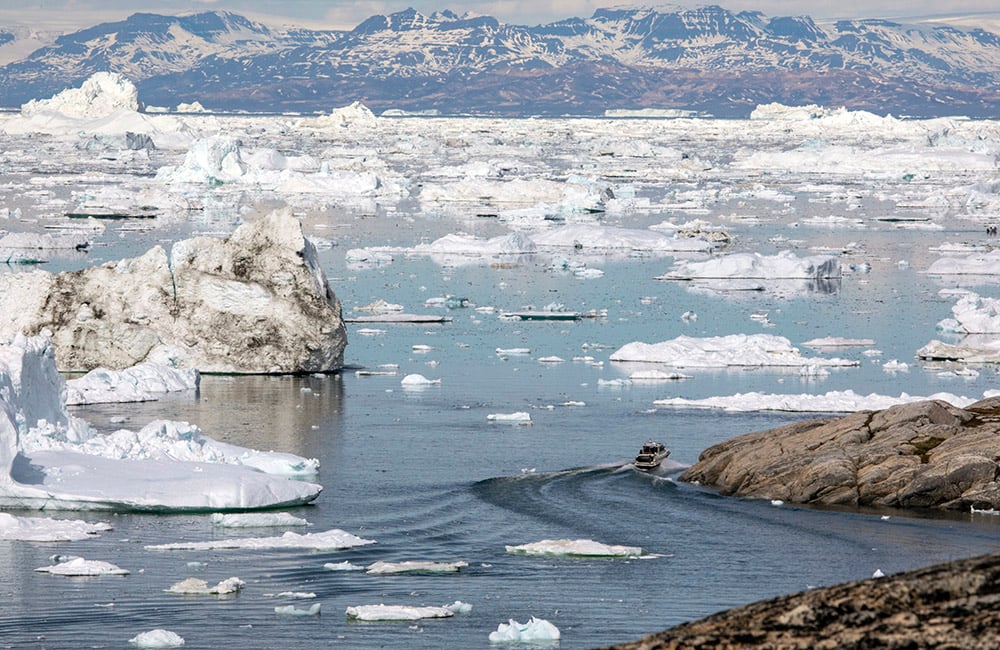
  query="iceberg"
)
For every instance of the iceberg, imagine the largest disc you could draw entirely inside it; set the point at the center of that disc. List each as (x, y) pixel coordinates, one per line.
(101, 95)
(734, 350)
(292, 610)
(785, 265)
(81, 567)
(58, 473)
(575, 548)
(141, 383)
(536, 630)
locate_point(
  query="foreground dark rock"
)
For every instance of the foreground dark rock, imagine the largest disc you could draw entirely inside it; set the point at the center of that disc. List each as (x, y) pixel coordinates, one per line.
(953, 605)
(922, 455)
(257, 302)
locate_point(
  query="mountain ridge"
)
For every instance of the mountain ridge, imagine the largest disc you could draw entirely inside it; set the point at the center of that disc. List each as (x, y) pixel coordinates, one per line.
(708, 59)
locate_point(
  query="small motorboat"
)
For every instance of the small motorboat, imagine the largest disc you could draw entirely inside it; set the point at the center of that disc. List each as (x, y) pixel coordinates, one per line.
(651, 455)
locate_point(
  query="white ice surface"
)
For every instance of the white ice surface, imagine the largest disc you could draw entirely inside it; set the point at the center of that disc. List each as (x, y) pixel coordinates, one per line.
(140, 383)
(191, 586)
(575, 548)
(256, 520)
(781, 266)
(157, 638)
(292, 610)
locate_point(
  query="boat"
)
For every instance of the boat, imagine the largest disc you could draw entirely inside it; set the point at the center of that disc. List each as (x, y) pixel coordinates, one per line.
(651, 455)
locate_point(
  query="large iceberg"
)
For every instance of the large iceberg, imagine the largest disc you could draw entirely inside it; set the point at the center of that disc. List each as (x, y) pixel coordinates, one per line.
(257, 302)
(32, 405)
(103, 94)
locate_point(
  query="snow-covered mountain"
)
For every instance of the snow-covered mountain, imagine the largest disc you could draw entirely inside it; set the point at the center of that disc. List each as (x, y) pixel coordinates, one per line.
(708, 59)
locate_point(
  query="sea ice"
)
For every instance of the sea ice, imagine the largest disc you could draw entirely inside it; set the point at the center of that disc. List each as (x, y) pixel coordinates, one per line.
(415, 566)
(199, 586)
(519, 417)
(575, 548)
(536, 630)
(972, 264)
(783, 265)
(157, 639)
(396, 612)
(81, 567)
(334, 539)
(607, 238)
(755, 350)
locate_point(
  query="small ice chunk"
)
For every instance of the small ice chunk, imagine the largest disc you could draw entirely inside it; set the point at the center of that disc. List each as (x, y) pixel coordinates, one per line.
(44, 529)
(575, 548)
(459, 607)
(256, 520)
(416, 380)
(878, 574)
(534, 631)
(342, 566)
(415, 566)
(81, 567)
(396, 612)
(513, 352)
(199, 586)
(895, 366)
(657, 375)
(551, 359)
(520, 417)
(297, 595)
(292, 610)
(157, 638)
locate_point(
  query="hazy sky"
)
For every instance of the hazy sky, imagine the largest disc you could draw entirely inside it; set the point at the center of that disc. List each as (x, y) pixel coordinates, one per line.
(68, 15)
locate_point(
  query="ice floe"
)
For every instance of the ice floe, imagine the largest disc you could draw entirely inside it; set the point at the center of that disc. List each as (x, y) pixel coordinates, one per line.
(575, 548)
(781, 266)
(518, 417)
(81, 567)
(256, 519)
(535, 631)
(292, 610)
(734, 350)
(396, 612)
(334, 539)
(838, 401)
(415, 566)
(190, 586)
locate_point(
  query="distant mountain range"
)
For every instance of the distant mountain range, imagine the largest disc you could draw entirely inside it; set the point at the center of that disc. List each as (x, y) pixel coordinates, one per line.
(708, 59)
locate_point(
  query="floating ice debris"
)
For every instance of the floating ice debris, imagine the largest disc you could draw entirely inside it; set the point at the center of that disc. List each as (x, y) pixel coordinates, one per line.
(513, 352)
(574, 548)
(519, 417)
(380, 307)
(983, 511)
(369, 331)
(292, 610)
(333, 539)
(689, 316)
(536, 630)
(878, 574)
(415, 566)
(140, 383)
(777, 502)
(44, 529)
(396, 612)
(657, 375)
(342, 566)
(974, 348)
(296, 595)
(838, 342)
(895, 366)
(458, 607)
(608, 238)
(256, 519)
(551, 359)
(974, 314)
(81, 567)
(757, 350)
(974, 264)
(614, 383)
(158, 638)
(416, 380)
(843, 401)
(198, 586)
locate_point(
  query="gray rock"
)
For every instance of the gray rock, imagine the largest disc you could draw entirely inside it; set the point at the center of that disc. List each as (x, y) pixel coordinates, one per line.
(257, 302)
(927, 454)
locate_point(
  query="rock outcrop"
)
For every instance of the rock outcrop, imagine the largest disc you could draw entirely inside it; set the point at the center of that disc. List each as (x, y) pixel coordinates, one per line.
(257, 302)
(953, 605)
(922, 455)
